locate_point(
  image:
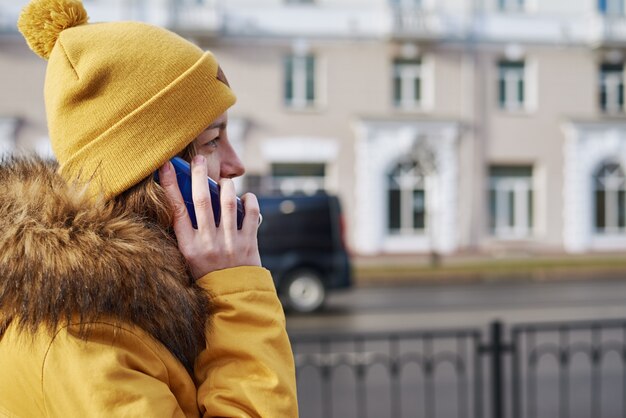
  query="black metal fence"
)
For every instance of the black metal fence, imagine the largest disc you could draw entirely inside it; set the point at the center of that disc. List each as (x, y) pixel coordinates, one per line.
(552, 370)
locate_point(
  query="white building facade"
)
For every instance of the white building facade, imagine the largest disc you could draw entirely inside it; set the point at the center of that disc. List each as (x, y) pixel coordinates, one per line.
(444, 126)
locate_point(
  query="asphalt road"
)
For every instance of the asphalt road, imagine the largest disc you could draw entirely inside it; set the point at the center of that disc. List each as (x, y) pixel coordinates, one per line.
(453, 305)
(577, 373)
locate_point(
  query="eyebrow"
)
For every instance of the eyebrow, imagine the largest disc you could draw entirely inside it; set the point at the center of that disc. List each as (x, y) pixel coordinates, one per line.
(220, 125)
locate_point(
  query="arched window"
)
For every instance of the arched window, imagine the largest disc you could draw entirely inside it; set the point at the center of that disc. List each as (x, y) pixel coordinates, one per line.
(610, 199)
(406, 199)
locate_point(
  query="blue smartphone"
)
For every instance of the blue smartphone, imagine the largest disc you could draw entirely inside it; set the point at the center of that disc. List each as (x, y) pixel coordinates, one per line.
(183, 175)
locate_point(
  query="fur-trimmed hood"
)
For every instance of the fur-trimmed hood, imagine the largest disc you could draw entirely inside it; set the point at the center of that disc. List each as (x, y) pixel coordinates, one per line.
(63, 257)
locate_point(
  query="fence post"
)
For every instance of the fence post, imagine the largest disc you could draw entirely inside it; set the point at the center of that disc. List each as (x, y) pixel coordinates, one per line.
(497, 371)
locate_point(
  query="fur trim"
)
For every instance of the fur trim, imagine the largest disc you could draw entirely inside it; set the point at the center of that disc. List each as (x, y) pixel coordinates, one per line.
(63, 257)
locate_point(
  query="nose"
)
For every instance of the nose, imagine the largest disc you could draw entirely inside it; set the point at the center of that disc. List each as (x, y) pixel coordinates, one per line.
(231, 166)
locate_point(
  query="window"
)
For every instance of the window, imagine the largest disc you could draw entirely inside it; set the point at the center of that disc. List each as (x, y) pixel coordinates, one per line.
(294, 178)
(300, 81)
(610, 199)
(407, 83)
(511, 86)
(611, 7)
(511, 5)
(612, 88)
(511, 201)
(406, 199)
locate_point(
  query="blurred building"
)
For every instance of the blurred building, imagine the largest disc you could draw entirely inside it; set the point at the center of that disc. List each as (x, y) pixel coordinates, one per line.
(444, 125)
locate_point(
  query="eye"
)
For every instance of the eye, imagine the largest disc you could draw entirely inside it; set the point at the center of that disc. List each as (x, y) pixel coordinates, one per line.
(212, 143)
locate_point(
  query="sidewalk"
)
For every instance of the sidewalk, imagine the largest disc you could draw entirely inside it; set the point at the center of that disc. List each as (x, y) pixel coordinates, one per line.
(463, 268)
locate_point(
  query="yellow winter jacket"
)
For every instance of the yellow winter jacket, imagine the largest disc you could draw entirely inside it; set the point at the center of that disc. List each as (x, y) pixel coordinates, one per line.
(96, 322)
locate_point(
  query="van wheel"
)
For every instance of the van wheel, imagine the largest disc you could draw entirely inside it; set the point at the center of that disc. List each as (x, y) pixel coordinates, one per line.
(304, 291)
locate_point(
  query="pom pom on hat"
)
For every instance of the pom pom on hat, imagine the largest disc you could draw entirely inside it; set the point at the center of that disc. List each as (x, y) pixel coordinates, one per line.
(42, 21)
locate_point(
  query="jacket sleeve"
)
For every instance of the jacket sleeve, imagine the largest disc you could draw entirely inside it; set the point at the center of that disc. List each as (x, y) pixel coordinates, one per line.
(247, 369)
(117, 372)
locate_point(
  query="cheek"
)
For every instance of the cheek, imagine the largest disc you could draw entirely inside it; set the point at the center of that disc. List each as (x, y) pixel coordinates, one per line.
(213, 163)
(213, 167)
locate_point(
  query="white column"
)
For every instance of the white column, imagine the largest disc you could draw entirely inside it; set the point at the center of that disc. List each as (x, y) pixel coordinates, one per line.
(7, 135)
(448, 179)
(576, 195)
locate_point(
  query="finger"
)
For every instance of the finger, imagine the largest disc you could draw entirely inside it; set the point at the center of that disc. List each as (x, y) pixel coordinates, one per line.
(181, 222)
(201, 194)
(252, 213)
(228, 203)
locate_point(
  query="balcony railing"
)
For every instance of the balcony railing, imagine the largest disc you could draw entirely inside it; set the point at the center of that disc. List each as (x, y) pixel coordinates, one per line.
(399, 20)
(195, 16)
(186, 16)
(415, 22)
(608, 30)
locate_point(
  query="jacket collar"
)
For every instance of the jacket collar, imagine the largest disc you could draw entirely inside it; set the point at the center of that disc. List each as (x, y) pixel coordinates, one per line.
(63, 256)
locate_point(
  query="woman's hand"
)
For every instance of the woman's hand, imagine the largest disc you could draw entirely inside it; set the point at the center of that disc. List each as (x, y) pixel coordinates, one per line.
(211, 248)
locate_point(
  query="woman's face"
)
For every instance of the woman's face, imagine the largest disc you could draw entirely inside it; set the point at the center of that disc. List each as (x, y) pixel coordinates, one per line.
(213, 144)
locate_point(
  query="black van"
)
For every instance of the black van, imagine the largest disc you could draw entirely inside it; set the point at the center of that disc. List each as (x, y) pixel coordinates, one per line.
(301, 243)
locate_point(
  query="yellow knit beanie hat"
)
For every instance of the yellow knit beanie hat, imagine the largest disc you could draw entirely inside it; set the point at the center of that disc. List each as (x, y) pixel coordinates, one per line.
(121, 98)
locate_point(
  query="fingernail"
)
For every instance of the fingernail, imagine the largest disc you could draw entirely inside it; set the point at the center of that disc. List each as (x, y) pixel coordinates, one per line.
(198, 159)
(166, 168)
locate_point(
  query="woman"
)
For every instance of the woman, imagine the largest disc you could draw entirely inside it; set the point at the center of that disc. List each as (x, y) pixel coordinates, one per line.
(111, 303)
